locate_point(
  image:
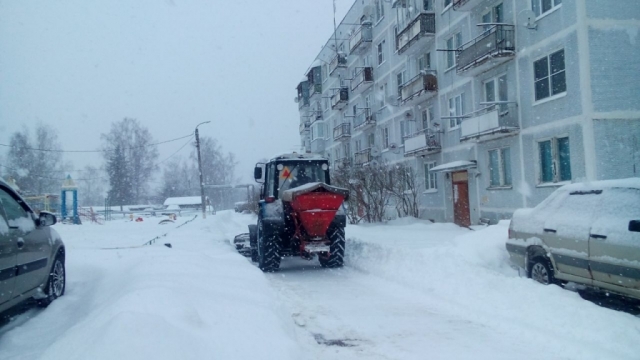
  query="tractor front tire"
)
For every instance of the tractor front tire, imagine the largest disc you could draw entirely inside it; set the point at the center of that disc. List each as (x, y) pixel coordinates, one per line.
(335, 257)
(253, 242)
(269, 250)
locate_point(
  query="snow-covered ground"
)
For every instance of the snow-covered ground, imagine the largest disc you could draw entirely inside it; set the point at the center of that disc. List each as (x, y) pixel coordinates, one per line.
(410, 290)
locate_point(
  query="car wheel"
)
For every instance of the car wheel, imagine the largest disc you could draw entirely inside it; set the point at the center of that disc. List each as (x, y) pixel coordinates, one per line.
(56, 283)
(541, 271)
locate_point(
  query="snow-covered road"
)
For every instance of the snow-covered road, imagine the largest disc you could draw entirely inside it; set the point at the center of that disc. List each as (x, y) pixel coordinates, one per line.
(410, 290)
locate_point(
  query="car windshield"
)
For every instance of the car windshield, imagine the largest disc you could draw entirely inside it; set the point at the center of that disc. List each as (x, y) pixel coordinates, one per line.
(467, 150)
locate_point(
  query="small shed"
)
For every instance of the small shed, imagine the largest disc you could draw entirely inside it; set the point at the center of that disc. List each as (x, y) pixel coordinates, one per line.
(185, 202)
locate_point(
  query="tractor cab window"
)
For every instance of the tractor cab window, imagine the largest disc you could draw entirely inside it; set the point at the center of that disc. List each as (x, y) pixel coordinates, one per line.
(296, 174)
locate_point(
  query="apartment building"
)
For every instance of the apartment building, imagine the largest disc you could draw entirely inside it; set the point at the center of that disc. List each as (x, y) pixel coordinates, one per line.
(496, 103)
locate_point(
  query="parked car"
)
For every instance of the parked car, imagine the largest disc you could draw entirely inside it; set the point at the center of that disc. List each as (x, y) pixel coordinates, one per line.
(587, 233)
(32, 254)
(241, 206)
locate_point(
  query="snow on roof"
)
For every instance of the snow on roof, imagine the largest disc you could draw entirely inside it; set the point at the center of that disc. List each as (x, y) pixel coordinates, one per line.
(186, 200)
(173, 207)
(298, 156)
(453, 166)
(316, 63)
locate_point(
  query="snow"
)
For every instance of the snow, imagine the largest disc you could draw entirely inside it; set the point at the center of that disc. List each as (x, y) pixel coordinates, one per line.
(24, 224)
(274, 210)
(460, 164)
(410, 289)
(186, 200)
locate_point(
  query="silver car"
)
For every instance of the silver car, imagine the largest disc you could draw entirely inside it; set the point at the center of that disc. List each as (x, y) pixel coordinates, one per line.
(32, 254)
(587, 233)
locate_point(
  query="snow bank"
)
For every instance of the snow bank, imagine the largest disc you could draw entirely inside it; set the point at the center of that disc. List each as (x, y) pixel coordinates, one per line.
(197, 300)
(467, 274)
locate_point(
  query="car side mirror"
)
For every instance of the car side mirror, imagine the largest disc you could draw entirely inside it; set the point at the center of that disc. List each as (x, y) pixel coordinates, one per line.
(46, 219)
(634, 225)
(258, 173)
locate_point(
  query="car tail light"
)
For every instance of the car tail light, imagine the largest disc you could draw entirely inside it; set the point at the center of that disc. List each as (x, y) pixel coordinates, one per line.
(269, 199)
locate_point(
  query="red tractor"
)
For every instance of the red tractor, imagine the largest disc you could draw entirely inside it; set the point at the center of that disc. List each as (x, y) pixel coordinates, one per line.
(300, 213)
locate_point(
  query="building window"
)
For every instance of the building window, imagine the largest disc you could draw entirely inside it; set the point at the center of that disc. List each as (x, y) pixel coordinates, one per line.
(555, 160)
(381, 52)
(431, 180)
(424, 62)
(358, 145)
(456, 110)
(383, 95)
(495, 15)
(496, 90)
(371, 142)
(385, 138)
(400, 79)
(427, 117)
(500, 167)
(453, 43)
(447, 3)
(549, 75)
(544, 6)
(379, 10)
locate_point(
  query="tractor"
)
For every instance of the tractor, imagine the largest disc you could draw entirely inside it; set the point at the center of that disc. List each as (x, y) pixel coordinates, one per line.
(299, 214)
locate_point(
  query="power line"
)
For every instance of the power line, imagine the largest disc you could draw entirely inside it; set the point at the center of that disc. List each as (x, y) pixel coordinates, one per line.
(181, 147)
(94, 151)
(50, 178)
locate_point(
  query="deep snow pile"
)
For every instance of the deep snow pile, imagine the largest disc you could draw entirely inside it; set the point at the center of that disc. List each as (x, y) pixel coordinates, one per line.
(197, 300)
(467, 273)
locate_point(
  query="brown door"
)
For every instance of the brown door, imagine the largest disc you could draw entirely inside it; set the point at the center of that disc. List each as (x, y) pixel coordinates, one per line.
(461, 213)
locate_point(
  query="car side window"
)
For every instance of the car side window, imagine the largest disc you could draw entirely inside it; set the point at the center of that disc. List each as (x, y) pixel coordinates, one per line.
(13, 210)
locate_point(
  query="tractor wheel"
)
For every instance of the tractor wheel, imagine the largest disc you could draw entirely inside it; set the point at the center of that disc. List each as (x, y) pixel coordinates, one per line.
(253, 242)
(268, 250)
(335, 258)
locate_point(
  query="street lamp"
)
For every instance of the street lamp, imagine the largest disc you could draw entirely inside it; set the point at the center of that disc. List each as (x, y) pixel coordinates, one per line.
(204, 206)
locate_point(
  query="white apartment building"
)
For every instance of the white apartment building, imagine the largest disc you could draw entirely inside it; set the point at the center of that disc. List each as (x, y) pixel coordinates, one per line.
(496, 103)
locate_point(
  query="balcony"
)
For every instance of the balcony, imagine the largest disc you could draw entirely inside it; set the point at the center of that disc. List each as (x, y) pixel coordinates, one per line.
(464, 5)
(419, 88)
(419, 31)
(305, 126)
(364, 119)
(426, 141)
(338, 62)
(340, 98)
(342, 132)
(362, 80)
(362, 157)
(303, 94)
(491, 122)
(361, 39)
(493, 47)
(315, 89)
(342, 163)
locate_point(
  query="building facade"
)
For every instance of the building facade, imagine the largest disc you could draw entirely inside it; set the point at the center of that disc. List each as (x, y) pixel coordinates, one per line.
(496, 103)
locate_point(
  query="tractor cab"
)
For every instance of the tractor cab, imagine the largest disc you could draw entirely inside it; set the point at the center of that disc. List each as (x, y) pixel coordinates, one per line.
(290, 171)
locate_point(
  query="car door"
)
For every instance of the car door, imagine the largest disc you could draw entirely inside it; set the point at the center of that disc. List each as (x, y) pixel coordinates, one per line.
(33, 245)
(614, 245)
(8, 258)
(566, 232)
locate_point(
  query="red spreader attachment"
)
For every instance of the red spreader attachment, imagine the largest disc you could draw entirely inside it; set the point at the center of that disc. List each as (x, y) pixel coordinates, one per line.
(316, 205)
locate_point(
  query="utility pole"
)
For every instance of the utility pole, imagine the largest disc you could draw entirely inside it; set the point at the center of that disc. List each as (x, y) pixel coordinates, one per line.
(204, 205)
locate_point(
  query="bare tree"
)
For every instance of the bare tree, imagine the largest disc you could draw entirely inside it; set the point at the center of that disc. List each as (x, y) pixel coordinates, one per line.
(138, 157)
(36, 172)
(217, 169)
(91, 186)
(403, 186)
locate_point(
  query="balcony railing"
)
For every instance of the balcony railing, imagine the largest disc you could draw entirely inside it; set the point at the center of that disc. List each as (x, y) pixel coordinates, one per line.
(315, 89)
(490, 122)
(338, 62)
(362, 37)
(464, 5)
(305, 126)
(342, 132)
(497, 42)
(340, 99)
(424, 24)
(363, 78)
(364, 119)
(425, 82)
(422, 142)
(362, 157)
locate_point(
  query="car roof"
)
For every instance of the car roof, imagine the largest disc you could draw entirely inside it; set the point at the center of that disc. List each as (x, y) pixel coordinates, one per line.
(630, 183)
(298, 156)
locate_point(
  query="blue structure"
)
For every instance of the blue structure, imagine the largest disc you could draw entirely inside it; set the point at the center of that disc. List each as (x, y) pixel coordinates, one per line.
(69, 185)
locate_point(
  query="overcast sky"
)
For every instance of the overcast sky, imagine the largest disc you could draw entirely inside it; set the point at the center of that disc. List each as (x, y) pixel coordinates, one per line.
(78, 65)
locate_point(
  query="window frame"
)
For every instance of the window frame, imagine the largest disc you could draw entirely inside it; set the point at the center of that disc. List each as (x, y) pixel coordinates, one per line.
(429, 176)
(380, 53)
(456, 42)
(502, 169)
(549, 77)
(555, 166)
(458, 117)
(385, 137)
(556, 4)
(503, 109)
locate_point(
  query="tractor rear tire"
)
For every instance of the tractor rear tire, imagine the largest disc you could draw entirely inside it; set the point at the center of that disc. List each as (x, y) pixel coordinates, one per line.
(253, 242)
(269, 252)
(335, 258)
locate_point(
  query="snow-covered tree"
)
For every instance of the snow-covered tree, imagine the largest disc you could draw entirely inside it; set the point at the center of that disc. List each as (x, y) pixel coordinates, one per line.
(91, 186)
(35, 171)
(138, 159)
